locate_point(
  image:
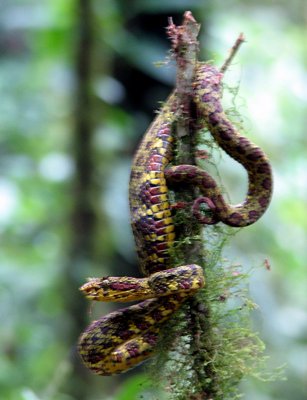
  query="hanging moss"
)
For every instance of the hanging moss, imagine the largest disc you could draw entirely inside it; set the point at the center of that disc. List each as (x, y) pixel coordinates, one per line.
(209, 346)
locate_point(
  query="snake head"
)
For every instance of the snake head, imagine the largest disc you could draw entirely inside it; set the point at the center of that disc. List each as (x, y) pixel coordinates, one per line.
(121, 289)
(92, 289)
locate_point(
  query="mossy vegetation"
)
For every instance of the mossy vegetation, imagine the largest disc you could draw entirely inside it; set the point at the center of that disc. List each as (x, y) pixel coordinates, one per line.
(209, 346)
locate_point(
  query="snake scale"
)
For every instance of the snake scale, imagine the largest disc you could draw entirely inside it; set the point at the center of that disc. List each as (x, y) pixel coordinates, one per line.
(124, 338)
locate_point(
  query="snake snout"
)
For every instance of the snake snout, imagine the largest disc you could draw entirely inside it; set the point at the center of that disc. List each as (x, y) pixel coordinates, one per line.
(91, 287)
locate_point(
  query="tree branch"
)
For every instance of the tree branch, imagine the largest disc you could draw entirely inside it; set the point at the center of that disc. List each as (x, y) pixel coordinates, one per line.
(189, 248)
(232, 52)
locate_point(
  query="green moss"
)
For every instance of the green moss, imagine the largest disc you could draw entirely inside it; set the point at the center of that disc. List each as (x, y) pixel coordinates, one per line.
(209, 346)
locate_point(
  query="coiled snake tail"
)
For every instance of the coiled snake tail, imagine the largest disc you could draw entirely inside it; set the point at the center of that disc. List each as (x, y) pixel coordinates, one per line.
(207, 97)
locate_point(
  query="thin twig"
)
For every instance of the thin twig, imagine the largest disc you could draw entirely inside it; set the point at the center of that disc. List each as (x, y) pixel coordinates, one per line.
(232, 52)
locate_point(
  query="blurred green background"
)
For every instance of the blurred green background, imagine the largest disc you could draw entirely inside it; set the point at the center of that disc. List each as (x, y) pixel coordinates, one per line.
(78, 88)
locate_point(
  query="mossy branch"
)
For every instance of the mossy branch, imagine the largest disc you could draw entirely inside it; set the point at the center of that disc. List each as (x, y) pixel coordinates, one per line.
(208, 347)
(189, 248)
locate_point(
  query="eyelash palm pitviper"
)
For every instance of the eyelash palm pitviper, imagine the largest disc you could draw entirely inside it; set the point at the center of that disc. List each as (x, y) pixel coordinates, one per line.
(122, 339)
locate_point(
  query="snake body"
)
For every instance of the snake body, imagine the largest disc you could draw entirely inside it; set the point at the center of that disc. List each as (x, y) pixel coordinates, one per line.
(124, 338)
(207, 97)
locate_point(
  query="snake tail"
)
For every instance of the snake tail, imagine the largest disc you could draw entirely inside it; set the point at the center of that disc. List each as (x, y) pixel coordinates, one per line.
(207, 97)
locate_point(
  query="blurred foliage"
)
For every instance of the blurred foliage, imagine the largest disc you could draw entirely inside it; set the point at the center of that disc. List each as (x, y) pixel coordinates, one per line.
(38, 43)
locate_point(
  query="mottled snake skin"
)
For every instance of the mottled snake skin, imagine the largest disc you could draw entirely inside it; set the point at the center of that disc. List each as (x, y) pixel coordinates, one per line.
(124, 338)
(207, 96)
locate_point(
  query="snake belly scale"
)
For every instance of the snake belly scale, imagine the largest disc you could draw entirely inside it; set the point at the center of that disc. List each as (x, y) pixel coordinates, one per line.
(124, 338)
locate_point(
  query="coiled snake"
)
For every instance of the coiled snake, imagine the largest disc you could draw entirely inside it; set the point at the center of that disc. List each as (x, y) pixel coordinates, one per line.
(124, 338)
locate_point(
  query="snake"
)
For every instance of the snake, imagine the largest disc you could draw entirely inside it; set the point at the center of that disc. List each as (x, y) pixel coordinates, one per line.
(126, 337)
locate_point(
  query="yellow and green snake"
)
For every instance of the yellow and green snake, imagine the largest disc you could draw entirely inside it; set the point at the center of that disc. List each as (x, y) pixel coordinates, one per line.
(124, 338)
